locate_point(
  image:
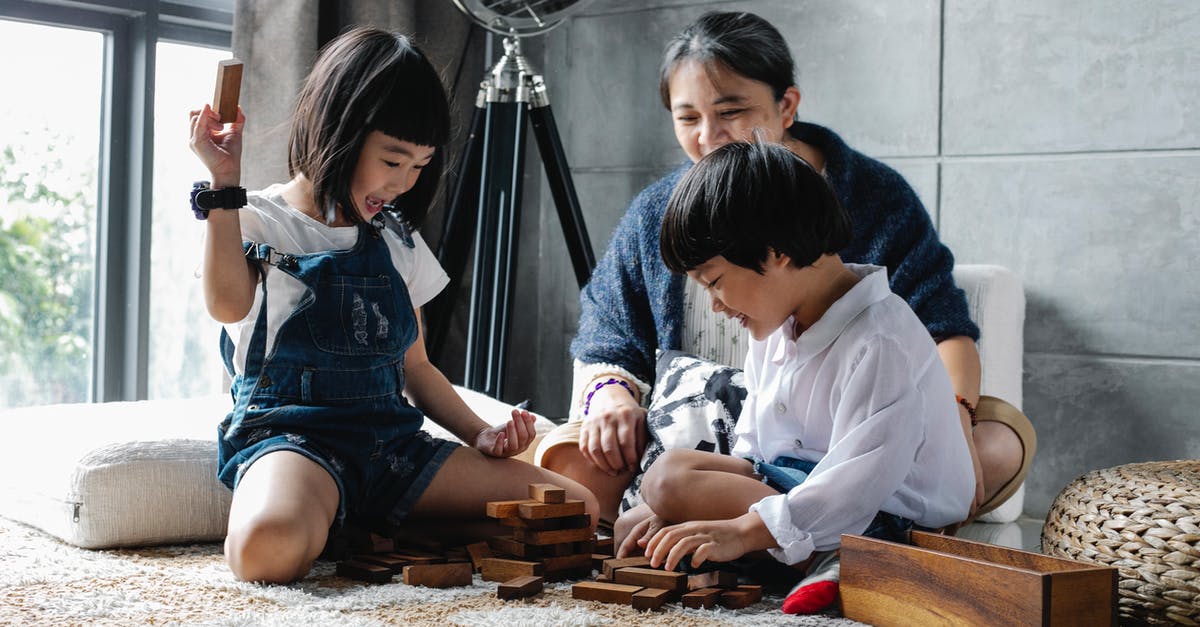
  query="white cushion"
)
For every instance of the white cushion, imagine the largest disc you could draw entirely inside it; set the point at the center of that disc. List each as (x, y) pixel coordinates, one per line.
(103, 475)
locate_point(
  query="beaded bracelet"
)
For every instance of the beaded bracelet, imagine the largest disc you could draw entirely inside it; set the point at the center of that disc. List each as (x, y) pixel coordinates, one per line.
(970, 409)
(587, 403)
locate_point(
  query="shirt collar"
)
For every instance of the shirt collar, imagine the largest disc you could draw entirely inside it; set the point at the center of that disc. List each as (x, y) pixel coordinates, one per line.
(871, 288)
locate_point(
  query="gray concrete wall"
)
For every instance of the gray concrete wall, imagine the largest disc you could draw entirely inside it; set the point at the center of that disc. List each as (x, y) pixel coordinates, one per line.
(1060, 139)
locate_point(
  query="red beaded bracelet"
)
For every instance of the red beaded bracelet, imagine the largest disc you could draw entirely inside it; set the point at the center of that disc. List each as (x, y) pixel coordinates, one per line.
(587, 404)
(970, 409)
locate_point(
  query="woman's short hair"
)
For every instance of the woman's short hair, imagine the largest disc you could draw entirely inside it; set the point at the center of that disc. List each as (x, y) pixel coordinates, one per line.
(367, 80)
(740, 41)
(745, 199)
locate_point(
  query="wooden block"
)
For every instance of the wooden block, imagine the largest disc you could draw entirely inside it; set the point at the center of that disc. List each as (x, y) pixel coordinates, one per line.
(598, 561)
(385, 560)
(651, 598)
(229, 87)
(602, 579)
(611, 565)
(555, 536)
(505, 509)
(547, 493)
(507, 545)
(478, 552)
(605, 545)
(417, 559)
(565, 522)
(362, 571)
(458, 554)
(381, 544)
(568, 562)
(652, 578)
(741, 596)
(944, 579)
(706, 598)
(519, 587)
(566, 548)
(570, 573)
(438, 575)
(604, 592)
(533, 510)
(712, 579)
(498, 569)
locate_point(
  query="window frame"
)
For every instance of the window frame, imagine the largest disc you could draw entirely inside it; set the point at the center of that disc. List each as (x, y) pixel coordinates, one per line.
(124, 203)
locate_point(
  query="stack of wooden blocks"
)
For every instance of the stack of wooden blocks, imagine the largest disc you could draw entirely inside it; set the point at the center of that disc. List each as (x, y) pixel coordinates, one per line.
(631, 581)
(551, 540)
(378, 559)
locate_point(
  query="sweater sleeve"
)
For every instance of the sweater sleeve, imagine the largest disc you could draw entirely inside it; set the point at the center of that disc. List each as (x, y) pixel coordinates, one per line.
(616, 324)
(896, 232)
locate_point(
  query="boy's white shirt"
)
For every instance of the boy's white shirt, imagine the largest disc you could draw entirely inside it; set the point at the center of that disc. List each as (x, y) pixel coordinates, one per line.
(864, 394)
(268, 218)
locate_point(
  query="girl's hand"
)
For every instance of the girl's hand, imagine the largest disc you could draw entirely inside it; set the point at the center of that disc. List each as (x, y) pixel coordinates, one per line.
(613, 434)
(219, 146)
(508, 439)
(639, 536)
(716, 540)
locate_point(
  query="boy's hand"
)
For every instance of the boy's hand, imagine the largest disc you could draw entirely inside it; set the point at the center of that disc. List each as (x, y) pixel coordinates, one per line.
(716, 540)
(219, 146)
(639, 536)
(507, 439)
(613, 434)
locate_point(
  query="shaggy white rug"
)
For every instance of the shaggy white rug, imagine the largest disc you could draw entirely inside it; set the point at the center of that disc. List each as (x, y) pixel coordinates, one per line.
(46, 582)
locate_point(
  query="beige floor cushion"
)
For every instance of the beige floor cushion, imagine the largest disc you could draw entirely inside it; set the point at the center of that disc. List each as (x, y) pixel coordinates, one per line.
(102, 475)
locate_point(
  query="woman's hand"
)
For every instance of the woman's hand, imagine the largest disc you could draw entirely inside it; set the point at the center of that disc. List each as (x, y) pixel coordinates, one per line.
(716, 540)
(507, 439)
(219, 146)
(613, 433)
(639, 536)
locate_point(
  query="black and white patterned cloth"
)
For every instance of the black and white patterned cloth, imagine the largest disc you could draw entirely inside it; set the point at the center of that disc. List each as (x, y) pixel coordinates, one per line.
(695, 405)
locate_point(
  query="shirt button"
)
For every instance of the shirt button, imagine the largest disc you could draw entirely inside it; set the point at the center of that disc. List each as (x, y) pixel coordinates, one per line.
(780, 407)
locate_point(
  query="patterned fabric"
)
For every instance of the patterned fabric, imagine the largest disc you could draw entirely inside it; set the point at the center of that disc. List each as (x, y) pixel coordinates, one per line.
(633, 305)
(709, 334)
(695, 406)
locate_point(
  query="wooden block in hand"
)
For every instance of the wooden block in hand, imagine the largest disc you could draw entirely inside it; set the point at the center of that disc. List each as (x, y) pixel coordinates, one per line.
(506, 509)
(741, 596)
(712, 579)
(651, 598)
(438, 575)
(624, 562)
(604, 592)
(554, 536)
(498, 569)
(362, 571)
(519, 587)
(229, 87)
(652, 578)
(534, 510)
(706, 598)
(547, 493)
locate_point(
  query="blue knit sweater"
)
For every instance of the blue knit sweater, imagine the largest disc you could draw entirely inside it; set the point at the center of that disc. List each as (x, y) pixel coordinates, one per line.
(633, 305)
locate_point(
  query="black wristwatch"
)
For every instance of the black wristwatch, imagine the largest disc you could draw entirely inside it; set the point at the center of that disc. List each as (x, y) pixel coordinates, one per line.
(205, 199)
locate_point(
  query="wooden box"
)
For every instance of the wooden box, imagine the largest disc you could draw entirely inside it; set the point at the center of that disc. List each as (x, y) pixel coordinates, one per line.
(942, 580)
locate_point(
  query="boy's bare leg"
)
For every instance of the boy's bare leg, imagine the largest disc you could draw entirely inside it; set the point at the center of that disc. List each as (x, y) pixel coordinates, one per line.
(567, 461)
(627, 522)
(469, 479)
(280, 518)
(685, 485)
(1000, 453)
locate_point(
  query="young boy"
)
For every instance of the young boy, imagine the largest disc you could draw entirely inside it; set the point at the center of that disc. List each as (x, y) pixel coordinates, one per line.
(851, 424)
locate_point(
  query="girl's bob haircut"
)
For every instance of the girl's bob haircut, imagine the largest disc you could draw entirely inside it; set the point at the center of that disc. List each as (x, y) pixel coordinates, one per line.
(745, 199)
(367, 80)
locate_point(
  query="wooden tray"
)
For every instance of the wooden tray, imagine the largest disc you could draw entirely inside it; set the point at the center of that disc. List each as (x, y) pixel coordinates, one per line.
(943, 580)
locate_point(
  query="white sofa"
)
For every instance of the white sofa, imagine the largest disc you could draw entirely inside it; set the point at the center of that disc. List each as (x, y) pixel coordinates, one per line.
(140, 473)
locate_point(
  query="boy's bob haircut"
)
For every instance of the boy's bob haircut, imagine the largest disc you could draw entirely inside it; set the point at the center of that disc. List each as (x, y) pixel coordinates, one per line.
(367, 80)
(745, 199)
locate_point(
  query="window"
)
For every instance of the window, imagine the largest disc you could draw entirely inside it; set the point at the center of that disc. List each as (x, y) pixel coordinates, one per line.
(97, 254)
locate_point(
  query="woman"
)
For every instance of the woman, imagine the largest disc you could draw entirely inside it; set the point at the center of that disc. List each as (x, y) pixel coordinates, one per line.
(722, 77)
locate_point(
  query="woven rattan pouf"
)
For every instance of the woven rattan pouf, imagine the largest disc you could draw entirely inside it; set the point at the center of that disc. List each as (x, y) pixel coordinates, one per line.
(1143, 519)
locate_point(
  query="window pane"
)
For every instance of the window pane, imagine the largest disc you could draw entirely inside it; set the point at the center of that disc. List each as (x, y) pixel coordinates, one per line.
(185, 359)
(49, 155)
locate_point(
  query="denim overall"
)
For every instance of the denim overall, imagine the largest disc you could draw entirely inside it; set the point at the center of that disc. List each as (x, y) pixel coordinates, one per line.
(332, 387)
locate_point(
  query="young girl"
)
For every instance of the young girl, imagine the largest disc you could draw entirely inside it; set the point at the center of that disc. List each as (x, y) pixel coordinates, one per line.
(319, 290)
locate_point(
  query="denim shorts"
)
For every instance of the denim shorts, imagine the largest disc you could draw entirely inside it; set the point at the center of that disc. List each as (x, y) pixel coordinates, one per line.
(381, 486)
(785, 473)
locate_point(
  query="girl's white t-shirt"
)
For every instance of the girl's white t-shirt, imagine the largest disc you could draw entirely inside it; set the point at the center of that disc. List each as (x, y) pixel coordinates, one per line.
(269, 219)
